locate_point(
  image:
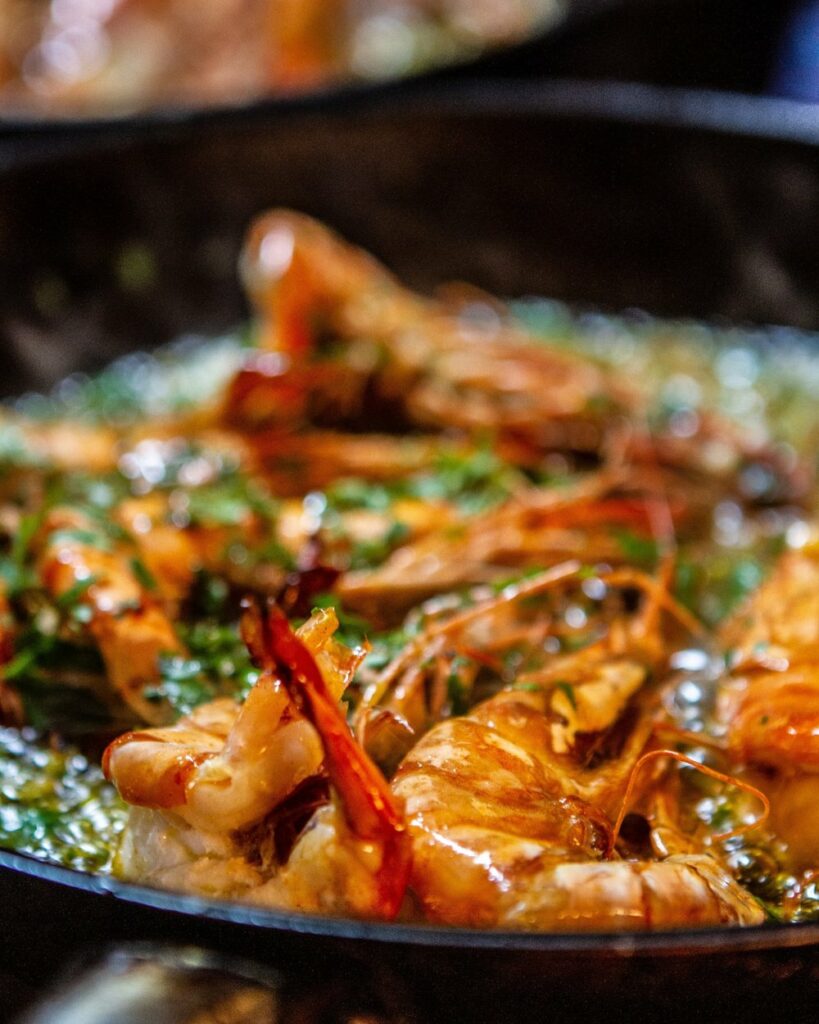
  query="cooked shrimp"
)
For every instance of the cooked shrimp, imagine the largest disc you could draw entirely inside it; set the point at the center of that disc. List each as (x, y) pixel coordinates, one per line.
(441, 369)
(354, 855)
(494, 844)
(205, 789)
(263, 750)
(439, 366)
(768, 702)
(128, 623)
(510, 817)
(296, 463)
(535, 528)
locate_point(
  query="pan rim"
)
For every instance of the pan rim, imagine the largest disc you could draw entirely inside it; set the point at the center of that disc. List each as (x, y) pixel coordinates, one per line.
(616, 945)
(750, 118)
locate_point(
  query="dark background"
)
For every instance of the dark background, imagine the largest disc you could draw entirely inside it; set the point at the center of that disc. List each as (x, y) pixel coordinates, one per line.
(737, 45)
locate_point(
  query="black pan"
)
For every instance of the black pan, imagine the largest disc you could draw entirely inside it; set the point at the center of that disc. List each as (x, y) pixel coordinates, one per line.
(683, 204)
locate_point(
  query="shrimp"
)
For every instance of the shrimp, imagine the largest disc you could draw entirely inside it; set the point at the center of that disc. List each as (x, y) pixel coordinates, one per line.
(128, 622)
(509, 807)
(132, 575)
(768, 702)
(535, 527)
(342, 339)
(440, 369)
(205, 792)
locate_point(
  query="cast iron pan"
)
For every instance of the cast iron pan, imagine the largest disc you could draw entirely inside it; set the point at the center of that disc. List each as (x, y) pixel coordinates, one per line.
(683, 204)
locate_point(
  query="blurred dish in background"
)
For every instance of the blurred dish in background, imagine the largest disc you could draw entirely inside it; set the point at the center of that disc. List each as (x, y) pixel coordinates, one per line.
(70, 57)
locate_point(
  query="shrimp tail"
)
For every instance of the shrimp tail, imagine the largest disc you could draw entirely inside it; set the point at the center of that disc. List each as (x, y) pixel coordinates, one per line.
(369, 807)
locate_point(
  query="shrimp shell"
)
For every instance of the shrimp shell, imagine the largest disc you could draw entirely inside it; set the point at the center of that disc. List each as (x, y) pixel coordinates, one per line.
(769, 701)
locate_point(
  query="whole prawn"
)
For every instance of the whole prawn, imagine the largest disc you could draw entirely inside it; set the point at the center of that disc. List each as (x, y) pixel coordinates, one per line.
(306, 282)
(435, 364)
(510, 828)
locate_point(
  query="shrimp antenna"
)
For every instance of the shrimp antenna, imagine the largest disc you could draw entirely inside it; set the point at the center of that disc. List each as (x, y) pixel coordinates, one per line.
(661, 524)
(544, 581)
(729, 780)
(658, 505)
(695, 739)
(658, 590)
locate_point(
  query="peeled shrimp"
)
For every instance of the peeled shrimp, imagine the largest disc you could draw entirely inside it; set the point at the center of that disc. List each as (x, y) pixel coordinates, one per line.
(226, 765)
